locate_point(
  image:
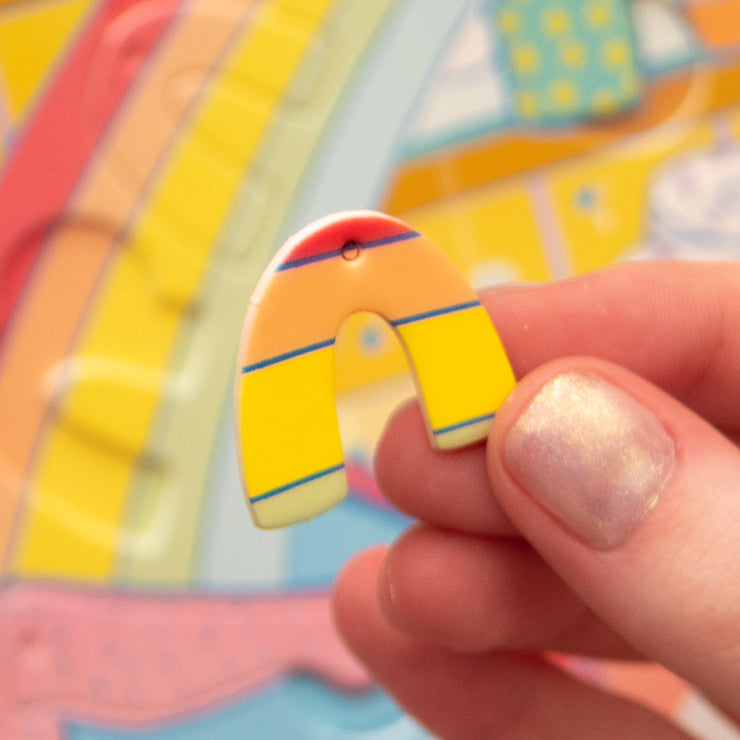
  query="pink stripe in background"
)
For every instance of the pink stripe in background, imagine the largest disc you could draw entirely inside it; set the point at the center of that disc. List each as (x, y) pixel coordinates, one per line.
(54, 149)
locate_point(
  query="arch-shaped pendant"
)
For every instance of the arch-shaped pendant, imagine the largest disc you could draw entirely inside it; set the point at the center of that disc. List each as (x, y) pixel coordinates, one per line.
(288, 434)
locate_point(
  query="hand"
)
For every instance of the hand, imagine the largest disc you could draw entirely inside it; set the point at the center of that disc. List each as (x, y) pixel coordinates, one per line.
(602, 518)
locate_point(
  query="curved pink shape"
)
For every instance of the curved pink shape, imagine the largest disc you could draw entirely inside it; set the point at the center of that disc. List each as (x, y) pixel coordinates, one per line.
(125, 659)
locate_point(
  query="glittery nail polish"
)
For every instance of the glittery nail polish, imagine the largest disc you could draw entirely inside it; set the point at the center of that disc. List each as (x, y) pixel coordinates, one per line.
(591, 455)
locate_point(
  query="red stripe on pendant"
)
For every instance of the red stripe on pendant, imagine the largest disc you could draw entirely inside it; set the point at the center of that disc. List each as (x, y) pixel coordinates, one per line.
(327, 236)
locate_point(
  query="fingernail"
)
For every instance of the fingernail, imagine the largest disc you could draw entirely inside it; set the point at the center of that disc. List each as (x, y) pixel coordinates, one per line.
(592, 456)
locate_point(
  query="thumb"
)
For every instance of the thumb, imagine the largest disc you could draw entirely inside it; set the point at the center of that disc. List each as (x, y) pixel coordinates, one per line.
(635, 502)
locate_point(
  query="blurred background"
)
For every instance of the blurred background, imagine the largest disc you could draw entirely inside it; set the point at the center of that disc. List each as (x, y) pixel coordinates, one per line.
(153, 156)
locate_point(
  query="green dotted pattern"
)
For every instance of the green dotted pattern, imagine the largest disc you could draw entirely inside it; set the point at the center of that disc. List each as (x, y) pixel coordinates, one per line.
(570, 59)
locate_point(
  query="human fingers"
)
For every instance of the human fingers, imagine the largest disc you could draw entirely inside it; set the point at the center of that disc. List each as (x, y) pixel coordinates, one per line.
(447, 488)
(670, 322)
(674, 323)
(474, 594)
(633, 500)
(458, 695)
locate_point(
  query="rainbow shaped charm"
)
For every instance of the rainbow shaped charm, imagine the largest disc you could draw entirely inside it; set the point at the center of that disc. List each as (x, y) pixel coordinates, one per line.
(288, 435)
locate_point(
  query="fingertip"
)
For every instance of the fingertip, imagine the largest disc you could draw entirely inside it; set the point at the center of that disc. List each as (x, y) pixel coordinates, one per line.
(406, 583)
(397, 452)
(437, 587)
(446, 488)
(355, 592)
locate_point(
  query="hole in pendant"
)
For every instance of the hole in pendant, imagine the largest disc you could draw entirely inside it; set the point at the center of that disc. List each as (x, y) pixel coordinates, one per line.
(351, 251)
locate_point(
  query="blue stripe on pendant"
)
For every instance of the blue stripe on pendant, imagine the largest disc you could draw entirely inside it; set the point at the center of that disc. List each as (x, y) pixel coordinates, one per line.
(435, 312)
(329, 342)
(287, 356)
(295, 484)
(462, 424)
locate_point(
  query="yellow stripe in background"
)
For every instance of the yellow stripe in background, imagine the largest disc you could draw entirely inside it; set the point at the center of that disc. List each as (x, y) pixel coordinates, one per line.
(140, 310)
(601, 202)
(472, 227)
(167, 508)
(32, 35)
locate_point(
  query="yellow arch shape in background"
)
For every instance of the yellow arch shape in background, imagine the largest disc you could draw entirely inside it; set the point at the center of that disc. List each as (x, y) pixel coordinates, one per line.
(288, 434)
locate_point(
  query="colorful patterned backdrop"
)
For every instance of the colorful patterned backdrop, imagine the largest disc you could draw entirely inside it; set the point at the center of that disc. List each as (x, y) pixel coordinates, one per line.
(153, 155)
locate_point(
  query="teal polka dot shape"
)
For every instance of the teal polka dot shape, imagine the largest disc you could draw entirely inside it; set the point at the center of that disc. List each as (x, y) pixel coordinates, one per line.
(569, 60)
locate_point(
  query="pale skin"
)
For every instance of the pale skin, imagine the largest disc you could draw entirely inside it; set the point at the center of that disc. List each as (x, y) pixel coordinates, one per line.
(455, 618)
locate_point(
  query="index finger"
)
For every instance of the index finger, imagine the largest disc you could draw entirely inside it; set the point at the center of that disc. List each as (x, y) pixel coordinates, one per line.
(676, 324)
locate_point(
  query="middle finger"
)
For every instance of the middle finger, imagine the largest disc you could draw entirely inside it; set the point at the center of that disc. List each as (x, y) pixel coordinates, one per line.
(475, 594)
